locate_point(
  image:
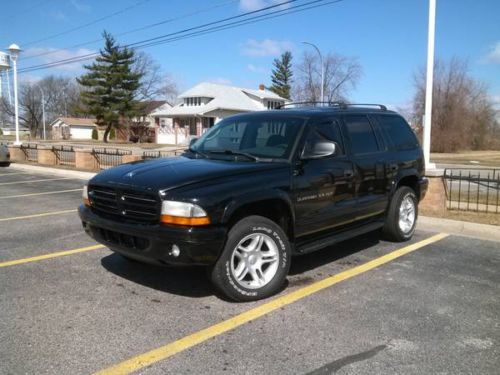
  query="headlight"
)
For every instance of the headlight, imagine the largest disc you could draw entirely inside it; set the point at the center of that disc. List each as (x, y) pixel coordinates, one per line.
(85, 195)
(182, 213)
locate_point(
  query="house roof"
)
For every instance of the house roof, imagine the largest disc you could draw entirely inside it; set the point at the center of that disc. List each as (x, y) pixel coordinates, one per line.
(152, 105)
(223, 97)
(75, 121)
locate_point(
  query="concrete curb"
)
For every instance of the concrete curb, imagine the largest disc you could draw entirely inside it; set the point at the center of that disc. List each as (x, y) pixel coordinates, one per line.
(461, 228)
(53, 171)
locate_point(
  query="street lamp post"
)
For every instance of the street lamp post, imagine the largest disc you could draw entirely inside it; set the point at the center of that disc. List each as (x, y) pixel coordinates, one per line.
(322, 69)
(43, 111)
(14, 53)
(429, 85)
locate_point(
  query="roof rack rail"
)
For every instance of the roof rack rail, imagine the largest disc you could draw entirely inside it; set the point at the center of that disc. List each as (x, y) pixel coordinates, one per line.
(313, 103)
(342, 105)
(381, 106)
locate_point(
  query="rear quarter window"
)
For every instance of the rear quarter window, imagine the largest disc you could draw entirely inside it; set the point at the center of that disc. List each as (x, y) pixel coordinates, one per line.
(398, 132)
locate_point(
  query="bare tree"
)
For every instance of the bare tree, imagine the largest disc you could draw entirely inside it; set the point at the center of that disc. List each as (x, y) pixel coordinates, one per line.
(154, 83)
(61, 96)
(463, 116)
(341, 76)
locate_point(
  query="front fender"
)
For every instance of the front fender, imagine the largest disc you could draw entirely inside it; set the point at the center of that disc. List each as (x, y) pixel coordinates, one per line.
(256, 197)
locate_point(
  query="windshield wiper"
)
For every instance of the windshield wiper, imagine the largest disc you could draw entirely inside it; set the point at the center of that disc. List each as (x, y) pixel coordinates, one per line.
(196, 152)
(235, 153)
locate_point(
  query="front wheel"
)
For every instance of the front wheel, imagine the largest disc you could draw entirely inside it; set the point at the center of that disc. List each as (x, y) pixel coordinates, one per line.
(402, 215)
(255, 260)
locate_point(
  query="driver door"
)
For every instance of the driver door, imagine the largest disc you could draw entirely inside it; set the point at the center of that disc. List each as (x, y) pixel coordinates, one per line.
(323, 188)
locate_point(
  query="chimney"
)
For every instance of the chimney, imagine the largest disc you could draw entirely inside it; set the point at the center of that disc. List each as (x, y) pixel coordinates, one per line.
(262, 87)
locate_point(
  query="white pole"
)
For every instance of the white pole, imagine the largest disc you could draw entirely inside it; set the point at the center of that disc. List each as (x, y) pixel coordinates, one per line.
(43, 111)
(430, 83)
(16, 109)
(9, 93)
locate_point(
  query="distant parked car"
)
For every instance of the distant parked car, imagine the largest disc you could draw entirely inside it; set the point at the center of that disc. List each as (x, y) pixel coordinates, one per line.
(4, 156)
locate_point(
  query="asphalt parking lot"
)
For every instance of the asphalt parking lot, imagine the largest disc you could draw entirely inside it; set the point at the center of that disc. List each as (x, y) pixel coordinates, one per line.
(363, 307)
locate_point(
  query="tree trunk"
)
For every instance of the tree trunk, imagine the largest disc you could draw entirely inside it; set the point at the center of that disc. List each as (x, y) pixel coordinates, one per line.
(106, 133)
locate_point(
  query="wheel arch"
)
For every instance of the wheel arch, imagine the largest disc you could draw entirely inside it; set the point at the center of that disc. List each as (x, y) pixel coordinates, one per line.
(274, 205)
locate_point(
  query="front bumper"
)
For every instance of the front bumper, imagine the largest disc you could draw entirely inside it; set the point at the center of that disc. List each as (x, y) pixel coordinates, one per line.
(153, 243)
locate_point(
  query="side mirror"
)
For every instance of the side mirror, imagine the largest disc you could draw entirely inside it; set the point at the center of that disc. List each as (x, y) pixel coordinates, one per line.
(320, 150)
(192, 141)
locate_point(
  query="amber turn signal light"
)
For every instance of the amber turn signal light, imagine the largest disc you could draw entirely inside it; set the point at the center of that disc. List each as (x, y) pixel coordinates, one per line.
(189, 221)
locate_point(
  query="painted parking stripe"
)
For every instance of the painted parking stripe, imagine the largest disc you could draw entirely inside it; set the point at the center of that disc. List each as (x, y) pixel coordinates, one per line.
(146, 359)
(30, 181)
(37, 215)
(38, 258)
(44, 193)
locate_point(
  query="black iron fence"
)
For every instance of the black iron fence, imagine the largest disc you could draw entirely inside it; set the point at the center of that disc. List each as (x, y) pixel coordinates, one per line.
(106, 158)
(161, 154)
(65, 155)
(30, 151)
(473, 189)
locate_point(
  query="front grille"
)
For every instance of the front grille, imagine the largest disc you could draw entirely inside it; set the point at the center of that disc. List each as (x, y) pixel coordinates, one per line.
(124, 205)
(121, 239)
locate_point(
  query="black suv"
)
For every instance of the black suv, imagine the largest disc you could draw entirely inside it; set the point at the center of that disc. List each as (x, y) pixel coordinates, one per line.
(259, 188)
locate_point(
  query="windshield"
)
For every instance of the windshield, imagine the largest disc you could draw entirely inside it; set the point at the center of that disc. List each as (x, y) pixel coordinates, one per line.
(257, 136)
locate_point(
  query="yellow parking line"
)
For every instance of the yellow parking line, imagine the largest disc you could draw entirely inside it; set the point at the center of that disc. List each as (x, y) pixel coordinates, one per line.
(49, 256)
(29, 181)
(143, 360)
(38, 215)
(44, 193)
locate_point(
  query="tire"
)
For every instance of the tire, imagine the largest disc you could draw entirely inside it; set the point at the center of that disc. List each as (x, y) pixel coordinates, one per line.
(396, 228)
(5, 164)
(255, 260)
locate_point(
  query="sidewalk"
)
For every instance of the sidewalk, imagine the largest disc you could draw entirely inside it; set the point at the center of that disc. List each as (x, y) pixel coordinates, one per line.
(460, 228)
(28, 168)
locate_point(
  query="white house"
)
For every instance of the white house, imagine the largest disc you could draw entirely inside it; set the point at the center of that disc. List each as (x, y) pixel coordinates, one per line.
(207, 103)
(73, 128)
(149, 119)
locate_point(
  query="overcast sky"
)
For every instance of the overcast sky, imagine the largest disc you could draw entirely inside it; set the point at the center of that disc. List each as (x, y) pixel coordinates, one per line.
(388, 37)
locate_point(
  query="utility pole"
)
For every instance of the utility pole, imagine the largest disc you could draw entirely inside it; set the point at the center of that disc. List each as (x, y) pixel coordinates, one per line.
(322, 70)
(429, 85)
(14, 53)
(43, 111)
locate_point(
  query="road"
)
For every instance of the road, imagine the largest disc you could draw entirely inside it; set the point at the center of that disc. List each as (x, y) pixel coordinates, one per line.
(365, 306)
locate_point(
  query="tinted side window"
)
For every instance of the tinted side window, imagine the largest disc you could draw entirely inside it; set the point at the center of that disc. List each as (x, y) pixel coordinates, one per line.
(363, 140)
(398, 131)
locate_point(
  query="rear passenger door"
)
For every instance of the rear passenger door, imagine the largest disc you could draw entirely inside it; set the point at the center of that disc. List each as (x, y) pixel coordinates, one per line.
(368, 154)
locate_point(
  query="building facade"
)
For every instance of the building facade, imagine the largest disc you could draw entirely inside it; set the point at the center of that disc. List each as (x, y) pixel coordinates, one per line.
(204, 105)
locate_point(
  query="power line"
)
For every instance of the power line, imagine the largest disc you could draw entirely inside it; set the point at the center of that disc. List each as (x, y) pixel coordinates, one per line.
(88, 24)
(178, 35)
(90, 55)
(169, 20)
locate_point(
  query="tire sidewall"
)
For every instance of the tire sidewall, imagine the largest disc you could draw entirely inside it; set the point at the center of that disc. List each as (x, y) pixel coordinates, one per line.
(222, 271)
(407, 192)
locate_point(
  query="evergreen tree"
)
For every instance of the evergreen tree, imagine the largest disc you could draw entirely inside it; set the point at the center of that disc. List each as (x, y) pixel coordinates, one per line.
(110, 86)
(282, 75)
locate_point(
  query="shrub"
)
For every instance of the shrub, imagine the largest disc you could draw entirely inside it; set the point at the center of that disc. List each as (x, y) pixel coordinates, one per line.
(95, 135)
(112, 133)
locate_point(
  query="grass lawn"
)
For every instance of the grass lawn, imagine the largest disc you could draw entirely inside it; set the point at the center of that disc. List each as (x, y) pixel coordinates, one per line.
(472, 158)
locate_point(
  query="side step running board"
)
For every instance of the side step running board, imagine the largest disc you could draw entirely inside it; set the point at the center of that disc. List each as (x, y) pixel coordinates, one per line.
(331, 240)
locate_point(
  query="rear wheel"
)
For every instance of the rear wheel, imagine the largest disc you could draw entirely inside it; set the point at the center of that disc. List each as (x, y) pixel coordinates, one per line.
(402, 215)
(255, 260)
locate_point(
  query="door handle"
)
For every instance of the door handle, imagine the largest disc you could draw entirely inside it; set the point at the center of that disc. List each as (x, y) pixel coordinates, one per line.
(348, 173)
(393, 167)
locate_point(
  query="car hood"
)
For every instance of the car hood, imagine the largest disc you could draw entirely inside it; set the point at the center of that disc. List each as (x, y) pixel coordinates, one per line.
(169, 173)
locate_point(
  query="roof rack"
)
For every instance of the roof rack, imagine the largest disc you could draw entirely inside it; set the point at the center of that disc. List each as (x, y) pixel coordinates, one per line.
(342, 105)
